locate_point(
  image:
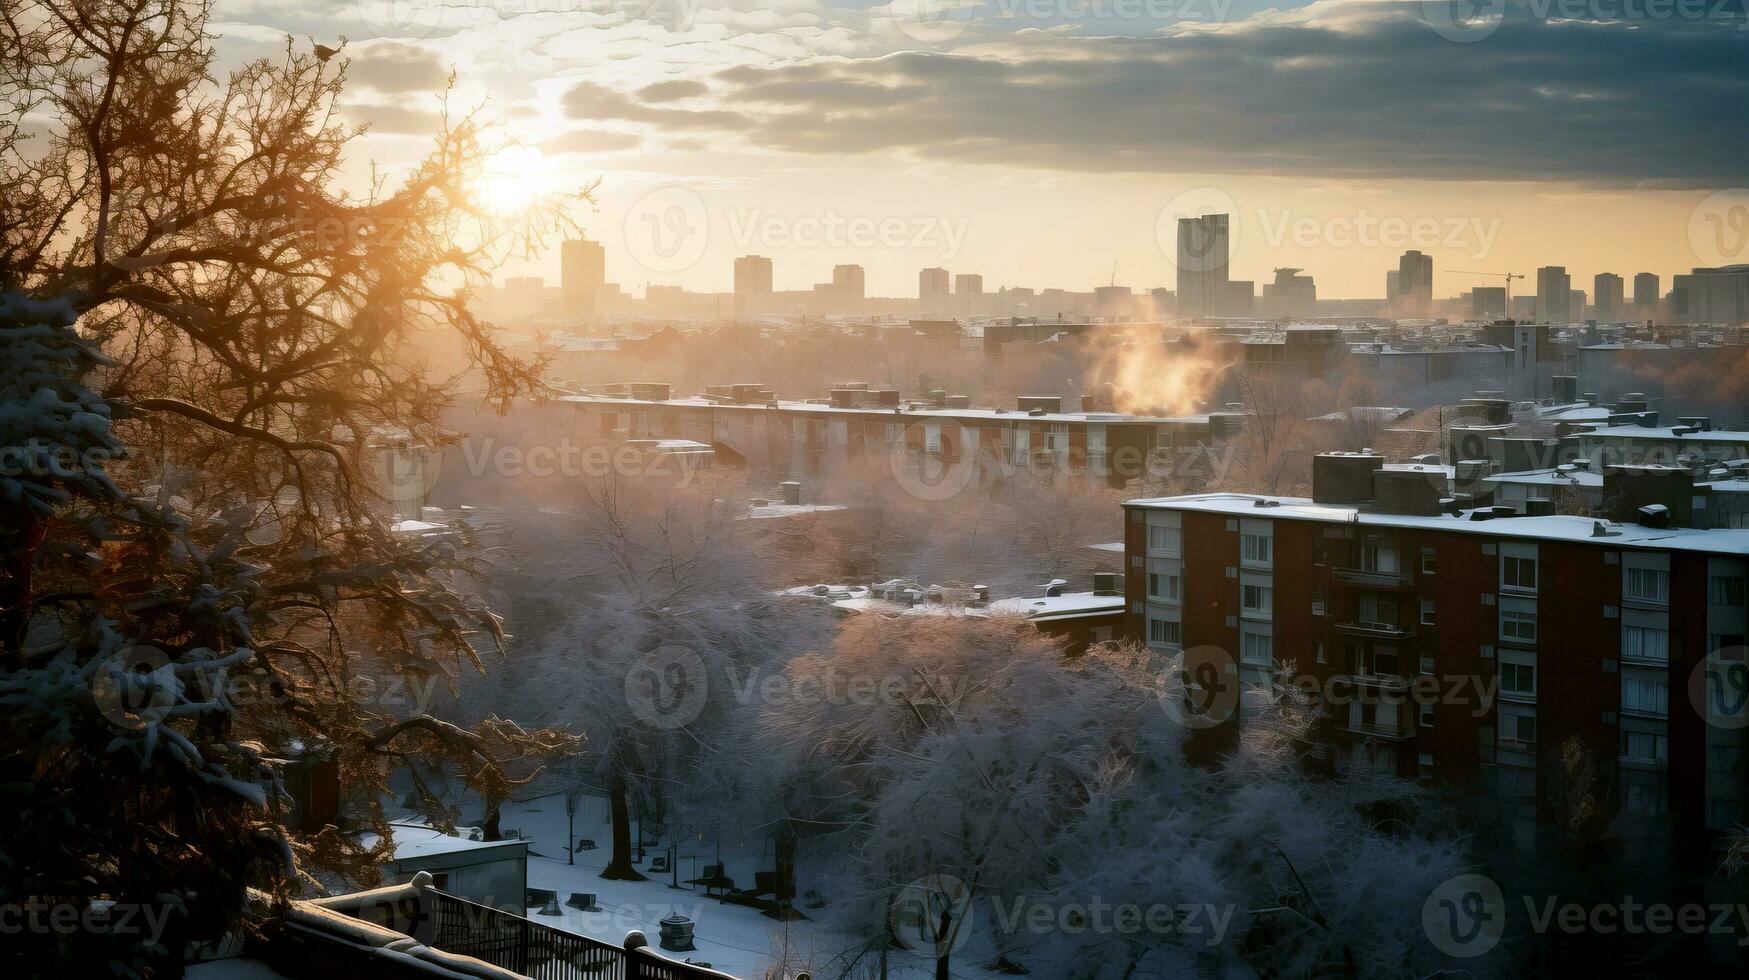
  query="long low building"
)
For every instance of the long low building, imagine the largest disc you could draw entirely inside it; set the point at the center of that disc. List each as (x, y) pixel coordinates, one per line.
(1464, 646)
(943, 441)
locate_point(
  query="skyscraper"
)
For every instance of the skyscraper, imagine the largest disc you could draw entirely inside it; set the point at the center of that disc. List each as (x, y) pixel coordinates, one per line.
(752, 283)
(1606, 295)
(1646, 295)
(932, 289)
(1487, 302)
(1415, 282)
(1553, 292)
(582, 273)
(1202, 265)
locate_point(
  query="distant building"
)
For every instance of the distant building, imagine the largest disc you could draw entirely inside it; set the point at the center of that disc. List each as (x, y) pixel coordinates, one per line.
(1241, 298)
(1607, 294)
(1290, 295)
(1415, 282)
(582, 273)
(968, 289)
(1711, 295)
(1202, 254)
(752, 284)
(1554, 291)
(1488, 301)
(1646, 294)
(932, 290)
(1393, 285)
(848, 280)
(1576, 304)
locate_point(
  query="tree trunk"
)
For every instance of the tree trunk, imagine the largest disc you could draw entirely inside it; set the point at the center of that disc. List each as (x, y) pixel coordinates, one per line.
(620, 867)
(944, 943)
(489, 823)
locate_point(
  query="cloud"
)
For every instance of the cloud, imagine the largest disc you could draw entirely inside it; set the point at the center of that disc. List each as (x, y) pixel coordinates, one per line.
(394, 120)
(591, 141)
(394, 67)
(1337, 89)
(587, 100)
(673, 91)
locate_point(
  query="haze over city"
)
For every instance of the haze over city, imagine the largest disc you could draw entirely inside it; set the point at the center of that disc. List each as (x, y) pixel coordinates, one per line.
(954, 489)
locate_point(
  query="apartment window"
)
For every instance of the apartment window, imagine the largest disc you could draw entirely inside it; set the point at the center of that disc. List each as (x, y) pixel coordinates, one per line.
(1429, 561)
(1723, 758)
(1426, 665)
(1380, 609)
(1255, 548)
(1057, 439)
(1318, 652)
(1645, 643)
(1256, 598)
(932, 440)
(1168, 540)
(1424, 765)
(1518, 621)
(1425, 712)
(1646, 585)
(1644, 746)
(1727, 590)
(1427, 612)
(1645, 696)
(1165, 587)
(1380, 558)
(1518, 572)
(1257, 648)
(1519, 679)
(1520, 728)
(1165, 632)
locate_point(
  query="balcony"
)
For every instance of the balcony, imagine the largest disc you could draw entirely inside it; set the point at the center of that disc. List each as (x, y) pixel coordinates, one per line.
(1378, 680)
(1378, 631)
(1373, 729)
(1363, 578)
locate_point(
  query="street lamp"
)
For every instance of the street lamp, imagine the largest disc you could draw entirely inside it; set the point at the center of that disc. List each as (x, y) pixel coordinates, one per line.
(573, 799)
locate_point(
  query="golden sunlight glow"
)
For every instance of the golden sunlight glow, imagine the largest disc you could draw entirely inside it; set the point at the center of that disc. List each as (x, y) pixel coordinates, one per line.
(513, 179)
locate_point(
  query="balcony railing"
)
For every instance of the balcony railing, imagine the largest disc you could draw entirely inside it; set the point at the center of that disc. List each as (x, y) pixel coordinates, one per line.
(1370, 579)
(1361, 627)
(1373, 729)
(541, 952)
(1378, 679)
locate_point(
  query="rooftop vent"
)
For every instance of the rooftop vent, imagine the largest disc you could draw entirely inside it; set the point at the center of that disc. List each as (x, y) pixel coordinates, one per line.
(1654, 516)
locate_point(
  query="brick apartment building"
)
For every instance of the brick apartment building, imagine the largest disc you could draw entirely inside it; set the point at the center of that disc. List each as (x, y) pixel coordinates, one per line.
(1403, 614)
(748, 425)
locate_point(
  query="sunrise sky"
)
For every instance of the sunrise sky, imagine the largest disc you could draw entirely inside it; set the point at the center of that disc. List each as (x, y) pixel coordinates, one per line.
(1038, 142)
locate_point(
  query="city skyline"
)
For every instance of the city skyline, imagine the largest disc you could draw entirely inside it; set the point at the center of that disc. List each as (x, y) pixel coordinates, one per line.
(1068, 181)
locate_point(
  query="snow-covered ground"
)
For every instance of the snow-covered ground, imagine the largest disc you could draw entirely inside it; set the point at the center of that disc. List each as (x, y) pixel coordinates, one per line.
(731, 938)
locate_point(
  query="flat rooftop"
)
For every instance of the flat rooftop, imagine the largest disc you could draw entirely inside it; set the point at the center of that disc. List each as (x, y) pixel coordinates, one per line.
(963, 414)
(1552, 528)
(1667, 433)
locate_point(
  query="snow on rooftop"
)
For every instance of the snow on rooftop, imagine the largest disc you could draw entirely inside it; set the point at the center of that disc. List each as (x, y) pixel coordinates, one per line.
(417, 840)
(1549, 528)
(981, 414)
(1668, 432)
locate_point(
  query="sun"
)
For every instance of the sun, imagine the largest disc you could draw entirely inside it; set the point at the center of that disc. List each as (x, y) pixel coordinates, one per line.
(512, 180)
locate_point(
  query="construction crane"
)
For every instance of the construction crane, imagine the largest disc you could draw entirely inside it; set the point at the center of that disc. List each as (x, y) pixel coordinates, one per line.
(1508, 276)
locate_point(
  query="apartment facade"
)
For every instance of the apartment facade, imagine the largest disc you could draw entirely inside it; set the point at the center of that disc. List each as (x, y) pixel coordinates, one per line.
(944, 445)
(1467, 650)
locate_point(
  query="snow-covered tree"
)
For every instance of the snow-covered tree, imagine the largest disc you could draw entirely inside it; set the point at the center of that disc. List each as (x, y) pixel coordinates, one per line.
(1006, 779)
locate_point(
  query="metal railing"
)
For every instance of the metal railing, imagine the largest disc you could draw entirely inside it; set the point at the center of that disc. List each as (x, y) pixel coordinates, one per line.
(512, 942)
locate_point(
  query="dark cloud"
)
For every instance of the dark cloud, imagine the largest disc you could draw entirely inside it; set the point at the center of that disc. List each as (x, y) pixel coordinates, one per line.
(587, 100)
(673, 91)
(591, 141)
(1366, 89)
(390, 66)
